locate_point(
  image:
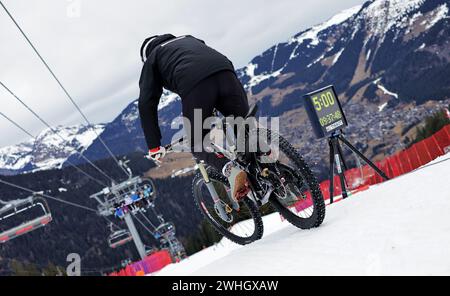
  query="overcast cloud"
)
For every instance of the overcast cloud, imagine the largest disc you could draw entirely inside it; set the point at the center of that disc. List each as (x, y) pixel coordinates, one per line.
(93, 46)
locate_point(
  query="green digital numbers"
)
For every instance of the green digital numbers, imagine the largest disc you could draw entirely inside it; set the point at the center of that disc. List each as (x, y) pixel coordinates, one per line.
(330, 118)
(323, 100)
(327, 99)
(316, 103)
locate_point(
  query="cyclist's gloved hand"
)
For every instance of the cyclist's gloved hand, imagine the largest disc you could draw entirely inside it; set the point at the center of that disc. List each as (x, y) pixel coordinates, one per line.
(156, 154)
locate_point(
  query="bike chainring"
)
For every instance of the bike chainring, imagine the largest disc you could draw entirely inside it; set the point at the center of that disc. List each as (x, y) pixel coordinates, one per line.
(283, 187)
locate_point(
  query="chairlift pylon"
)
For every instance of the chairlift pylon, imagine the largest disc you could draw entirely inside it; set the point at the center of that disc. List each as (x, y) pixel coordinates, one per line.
(11, 209)
(169, 241)
(124, 200)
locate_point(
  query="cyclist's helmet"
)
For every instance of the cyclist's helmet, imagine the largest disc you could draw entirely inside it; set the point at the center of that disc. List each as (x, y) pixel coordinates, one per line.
(144, 47)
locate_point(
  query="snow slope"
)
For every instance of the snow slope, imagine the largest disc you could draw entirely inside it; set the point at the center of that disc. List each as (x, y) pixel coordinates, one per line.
(400, 227)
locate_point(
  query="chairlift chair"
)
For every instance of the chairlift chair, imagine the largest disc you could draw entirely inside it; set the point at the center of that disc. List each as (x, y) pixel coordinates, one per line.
(166, 229)
(117, 194)
(11, 210)
(175, 248)
(119, 237)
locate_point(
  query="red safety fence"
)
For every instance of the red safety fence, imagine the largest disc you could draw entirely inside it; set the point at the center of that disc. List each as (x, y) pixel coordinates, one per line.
(150, 264)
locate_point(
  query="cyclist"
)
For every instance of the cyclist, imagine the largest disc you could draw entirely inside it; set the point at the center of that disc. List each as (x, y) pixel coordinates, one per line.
(205, 80)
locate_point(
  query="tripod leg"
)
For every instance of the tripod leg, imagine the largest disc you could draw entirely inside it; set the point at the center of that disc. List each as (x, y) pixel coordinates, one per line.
(371, 164)
(331, 174)
(341, 155)
(338, 160)
(344, 163)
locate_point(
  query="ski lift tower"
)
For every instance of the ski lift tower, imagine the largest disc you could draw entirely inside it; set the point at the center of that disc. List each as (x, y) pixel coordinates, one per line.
(166, 233)
(117, 197)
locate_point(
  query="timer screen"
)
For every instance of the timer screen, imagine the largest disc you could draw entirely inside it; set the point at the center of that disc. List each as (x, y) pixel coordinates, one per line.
(326, 111)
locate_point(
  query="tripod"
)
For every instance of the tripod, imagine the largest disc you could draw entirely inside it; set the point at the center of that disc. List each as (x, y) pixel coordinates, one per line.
(337, 161)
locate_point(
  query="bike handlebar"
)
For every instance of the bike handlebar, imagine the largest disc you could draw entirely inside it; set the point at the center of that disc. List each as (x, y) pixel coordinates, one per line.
(169, 147)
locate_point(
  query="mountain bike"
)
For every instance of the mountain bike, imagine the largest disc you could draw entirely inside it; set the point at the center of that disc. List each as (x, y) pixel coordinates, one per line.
(278, 176)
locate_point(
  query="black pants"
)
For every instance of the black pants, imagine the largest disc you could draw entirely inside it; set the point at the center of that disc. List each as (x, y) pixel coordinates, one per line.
(222, 91)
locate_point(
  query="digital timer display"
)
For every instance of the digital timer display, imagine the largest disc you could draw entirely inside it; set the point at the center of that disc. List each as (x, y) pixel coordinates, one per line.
(325, 111)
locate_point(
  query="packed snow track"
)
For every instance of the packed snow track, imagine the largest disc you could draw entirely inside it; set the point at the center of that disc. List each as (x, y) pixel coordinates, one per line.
(400, 227)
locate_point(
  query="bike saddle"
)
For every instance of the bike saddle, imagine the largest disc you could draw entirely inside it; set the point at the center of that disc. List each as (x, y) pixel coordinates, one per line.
(252, 111)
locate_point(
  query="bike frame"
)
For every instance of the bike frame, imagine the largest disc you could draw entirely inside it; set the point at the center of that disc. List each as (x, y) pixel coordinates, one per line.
(230, 153)
(222, 209)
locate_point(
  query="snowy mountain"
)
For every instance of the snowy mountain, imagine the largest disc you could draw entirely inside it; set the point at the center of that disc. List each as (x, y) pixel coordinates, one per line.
(383, 39)
(355, 48)
(124, 134)
(388, 59)
(48, 150)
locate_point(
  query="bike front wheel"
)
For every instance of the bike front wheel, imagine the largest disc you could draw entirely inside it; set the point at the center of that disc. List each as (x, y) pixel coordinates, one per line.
(242, 227)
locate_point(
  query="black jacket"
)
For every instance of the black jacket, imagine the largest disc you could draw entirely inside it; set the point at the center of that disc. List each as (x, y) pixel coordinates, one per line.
(177, 64)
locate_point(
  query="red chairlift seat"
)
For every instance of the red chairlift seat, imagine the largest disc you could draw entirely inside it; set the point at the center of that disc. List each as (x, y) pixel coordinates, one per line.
(119, 238)
(13, 208)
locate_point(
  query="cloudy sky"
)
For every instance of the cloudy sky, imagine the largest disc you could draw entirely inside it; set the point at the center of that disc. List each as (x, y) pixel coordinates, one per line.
(93, 47)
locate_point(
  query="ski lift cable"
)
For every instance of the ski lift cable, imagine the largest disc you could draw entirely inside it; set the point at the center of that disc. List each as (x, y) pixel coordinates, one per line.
(48, 196)
(34, 137)
(111, 222)
(154, 211)
(148, 220)
(158, 216)
(62, 87)
(143, 225)
(17, 125)
(52, 129)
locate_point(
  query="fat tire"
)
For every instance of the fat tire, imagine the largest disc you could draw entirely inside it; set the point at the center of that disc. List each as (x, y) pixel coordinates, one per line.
(318, 215)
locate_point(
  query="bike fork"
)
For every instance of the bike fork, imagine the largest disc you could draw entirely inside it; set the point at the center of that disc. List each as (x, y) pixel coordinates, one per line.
(222, 208)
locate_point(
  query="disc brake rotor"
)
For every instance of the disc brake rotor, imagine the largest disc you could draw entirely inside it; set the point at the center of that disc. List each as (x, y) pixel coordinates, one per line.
(286, 187)
(223, 211)
(280, 188)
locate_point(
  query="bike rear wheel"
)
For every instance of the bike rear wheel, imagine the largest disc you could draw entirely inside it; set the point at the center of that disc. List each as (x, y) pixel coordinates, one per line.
(242, 227)
(297, 196)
